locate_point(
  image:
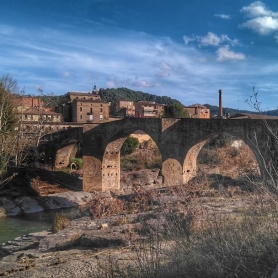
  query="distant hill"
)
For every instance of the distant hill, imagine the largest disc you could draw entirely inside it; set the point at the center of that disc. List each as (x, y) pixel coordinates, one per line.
(214, 110)
(272, 112)
(112, 95)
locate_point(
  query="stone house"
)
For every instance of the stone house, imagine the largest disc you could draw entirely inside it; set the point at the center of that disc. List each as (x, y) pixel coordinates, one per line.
(127, 106)
(84, 107)
(32, 109)
(198, 111)
(148, 109)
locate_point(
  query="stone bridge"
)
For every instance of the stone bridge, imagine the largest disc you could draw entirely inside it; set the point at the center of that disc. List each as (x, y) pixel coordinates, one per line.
(179, 141)
(58, 147)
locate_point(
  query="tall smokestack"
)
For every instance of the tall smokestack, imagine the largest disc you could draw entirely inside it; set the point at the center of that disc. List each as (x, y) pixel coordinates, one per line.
(220, 114)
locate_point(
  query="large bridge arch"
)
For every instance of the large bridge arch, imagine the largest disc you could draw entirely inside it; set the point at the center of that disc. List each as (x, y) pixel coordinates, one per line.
(101, 158)
(190, 161)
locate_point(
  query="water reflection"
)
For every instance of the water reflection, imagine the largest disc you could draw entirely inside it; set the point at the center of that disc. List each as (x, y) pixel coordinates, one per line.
(11, 227)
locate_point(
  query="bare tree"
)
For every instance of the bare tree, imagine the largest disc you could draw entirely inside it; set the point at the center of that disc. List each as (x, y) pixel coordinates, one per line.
(8, 121)
(268, 153)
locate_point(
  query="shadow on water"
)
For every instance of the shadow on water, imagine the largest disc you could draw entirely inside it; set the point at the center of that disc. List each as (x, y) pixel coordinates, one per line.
(12, 227)
(56, 181)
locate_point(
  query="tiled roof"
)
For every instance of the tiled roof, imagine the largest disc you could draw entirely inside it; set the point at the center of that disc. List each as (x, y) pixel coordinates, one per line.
(36, 111)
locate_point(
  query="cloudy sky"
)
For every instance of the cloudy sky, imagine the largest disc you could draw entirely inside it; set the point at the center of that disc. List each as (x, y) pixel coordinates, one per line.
(184, 49)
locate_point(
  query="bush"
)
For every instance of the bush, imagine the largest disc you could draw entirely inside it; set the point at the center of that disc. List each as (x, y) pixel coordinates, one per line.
(77, 161)
(210, 157)
(130, 145)
(221, 140)
(61, 221)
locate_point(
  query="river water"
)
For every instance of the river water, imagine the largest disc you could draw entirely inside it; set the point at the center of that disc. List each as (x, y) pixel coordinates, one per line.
(11, 227)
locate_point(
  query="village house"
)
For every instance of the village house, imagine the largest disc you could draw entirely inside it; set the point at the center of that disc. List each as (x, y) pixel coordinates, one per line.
(84, 107)
(148, 109)
(32, 109)
(198, 111)
(125, 107)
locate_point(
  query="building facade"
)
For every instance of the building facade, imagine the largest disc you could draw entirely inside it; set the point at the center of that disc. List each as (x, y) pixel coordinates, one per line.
(198, 111)
(84, 107)
(148, 109)
(89, 111)
(127, 106)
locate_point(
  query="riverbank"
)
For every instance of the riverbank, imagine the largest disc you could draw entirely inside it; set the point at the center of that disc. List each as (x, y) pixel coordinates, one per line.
(125, 228)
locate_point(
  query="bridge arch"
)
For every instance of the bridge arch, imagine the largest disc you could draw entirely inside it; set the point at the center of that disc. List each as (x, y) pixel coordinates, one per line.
(111, 166)
(190, 161)
(102, 166)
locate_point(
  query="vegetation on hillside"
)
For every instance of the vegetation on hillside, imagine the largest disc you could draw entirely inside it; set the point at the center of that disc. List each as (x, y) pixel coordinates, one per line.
(175, 110)
(214, 110)
(112, 95)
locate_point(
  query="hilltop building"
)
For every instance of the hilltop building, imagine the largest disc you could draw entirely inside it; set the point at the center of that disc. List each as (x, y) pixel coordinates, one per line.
(198, 111)
(32, 109)
(84, 107)
(125, 108)
(148, 109)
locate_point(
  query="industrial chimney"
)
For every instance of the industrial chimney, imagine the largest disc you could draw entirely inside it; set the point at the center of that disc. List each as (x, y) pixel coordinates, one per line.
(220, 114)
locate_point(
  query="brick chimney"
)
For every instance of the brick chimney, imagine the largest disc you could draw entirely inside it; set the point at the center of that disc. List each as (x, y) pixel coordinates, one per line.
(220, 114)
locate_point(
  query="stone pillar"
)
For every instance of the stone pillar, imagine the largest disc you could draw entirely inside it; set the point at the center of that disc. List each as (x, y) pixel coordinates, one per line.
(172, 172)
(92, 174)
(111, 173)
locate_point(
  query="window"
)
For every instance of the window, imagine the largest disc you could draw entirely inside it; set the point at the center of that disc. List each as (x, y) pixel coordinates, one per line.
(80, 109)
(80, 116)
(100, 109)
(101, 117)
(91, 110)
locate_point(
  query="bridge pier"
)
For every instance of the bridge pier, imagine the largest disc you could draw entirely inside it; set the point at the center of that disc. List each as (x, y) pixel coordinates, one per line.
(92, 174)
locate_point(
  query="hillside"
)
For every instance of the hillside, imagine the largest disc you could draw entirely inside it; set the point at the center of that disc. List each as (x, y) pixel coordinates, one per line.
(112, 95)
(214, 110)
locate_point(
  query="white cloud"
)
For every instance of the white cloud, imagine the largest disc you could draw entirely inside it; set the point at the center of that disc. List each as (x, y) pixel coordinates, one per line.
(263, 21)
(225, 54)
(262, 25)
(223, 16)
(258, 9)
(211, 39)
(188, 39)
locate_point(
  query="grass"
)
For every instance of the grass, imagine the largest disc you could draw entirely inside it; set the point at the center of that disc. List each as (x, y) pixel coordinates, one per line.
(220, 246)
(61, 221)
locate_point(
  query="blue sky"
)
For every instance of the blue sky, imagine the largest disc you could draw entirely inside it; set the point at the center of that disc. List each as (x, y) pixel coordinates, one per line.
(184, 49)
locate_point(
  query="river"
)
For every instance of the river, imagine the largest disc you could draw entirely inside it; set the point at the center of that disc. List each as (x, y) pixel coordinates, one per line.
(11, 227)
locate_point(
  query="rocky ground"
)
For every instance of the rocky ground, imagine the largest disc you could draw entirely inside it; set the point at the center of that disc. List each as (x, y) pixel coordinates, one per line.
(112, 224)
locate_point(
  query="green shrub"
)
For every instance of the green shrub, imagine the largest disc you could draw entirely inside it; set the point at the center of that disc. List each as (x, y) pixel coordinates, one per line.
(77, 161)
(129, 145)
